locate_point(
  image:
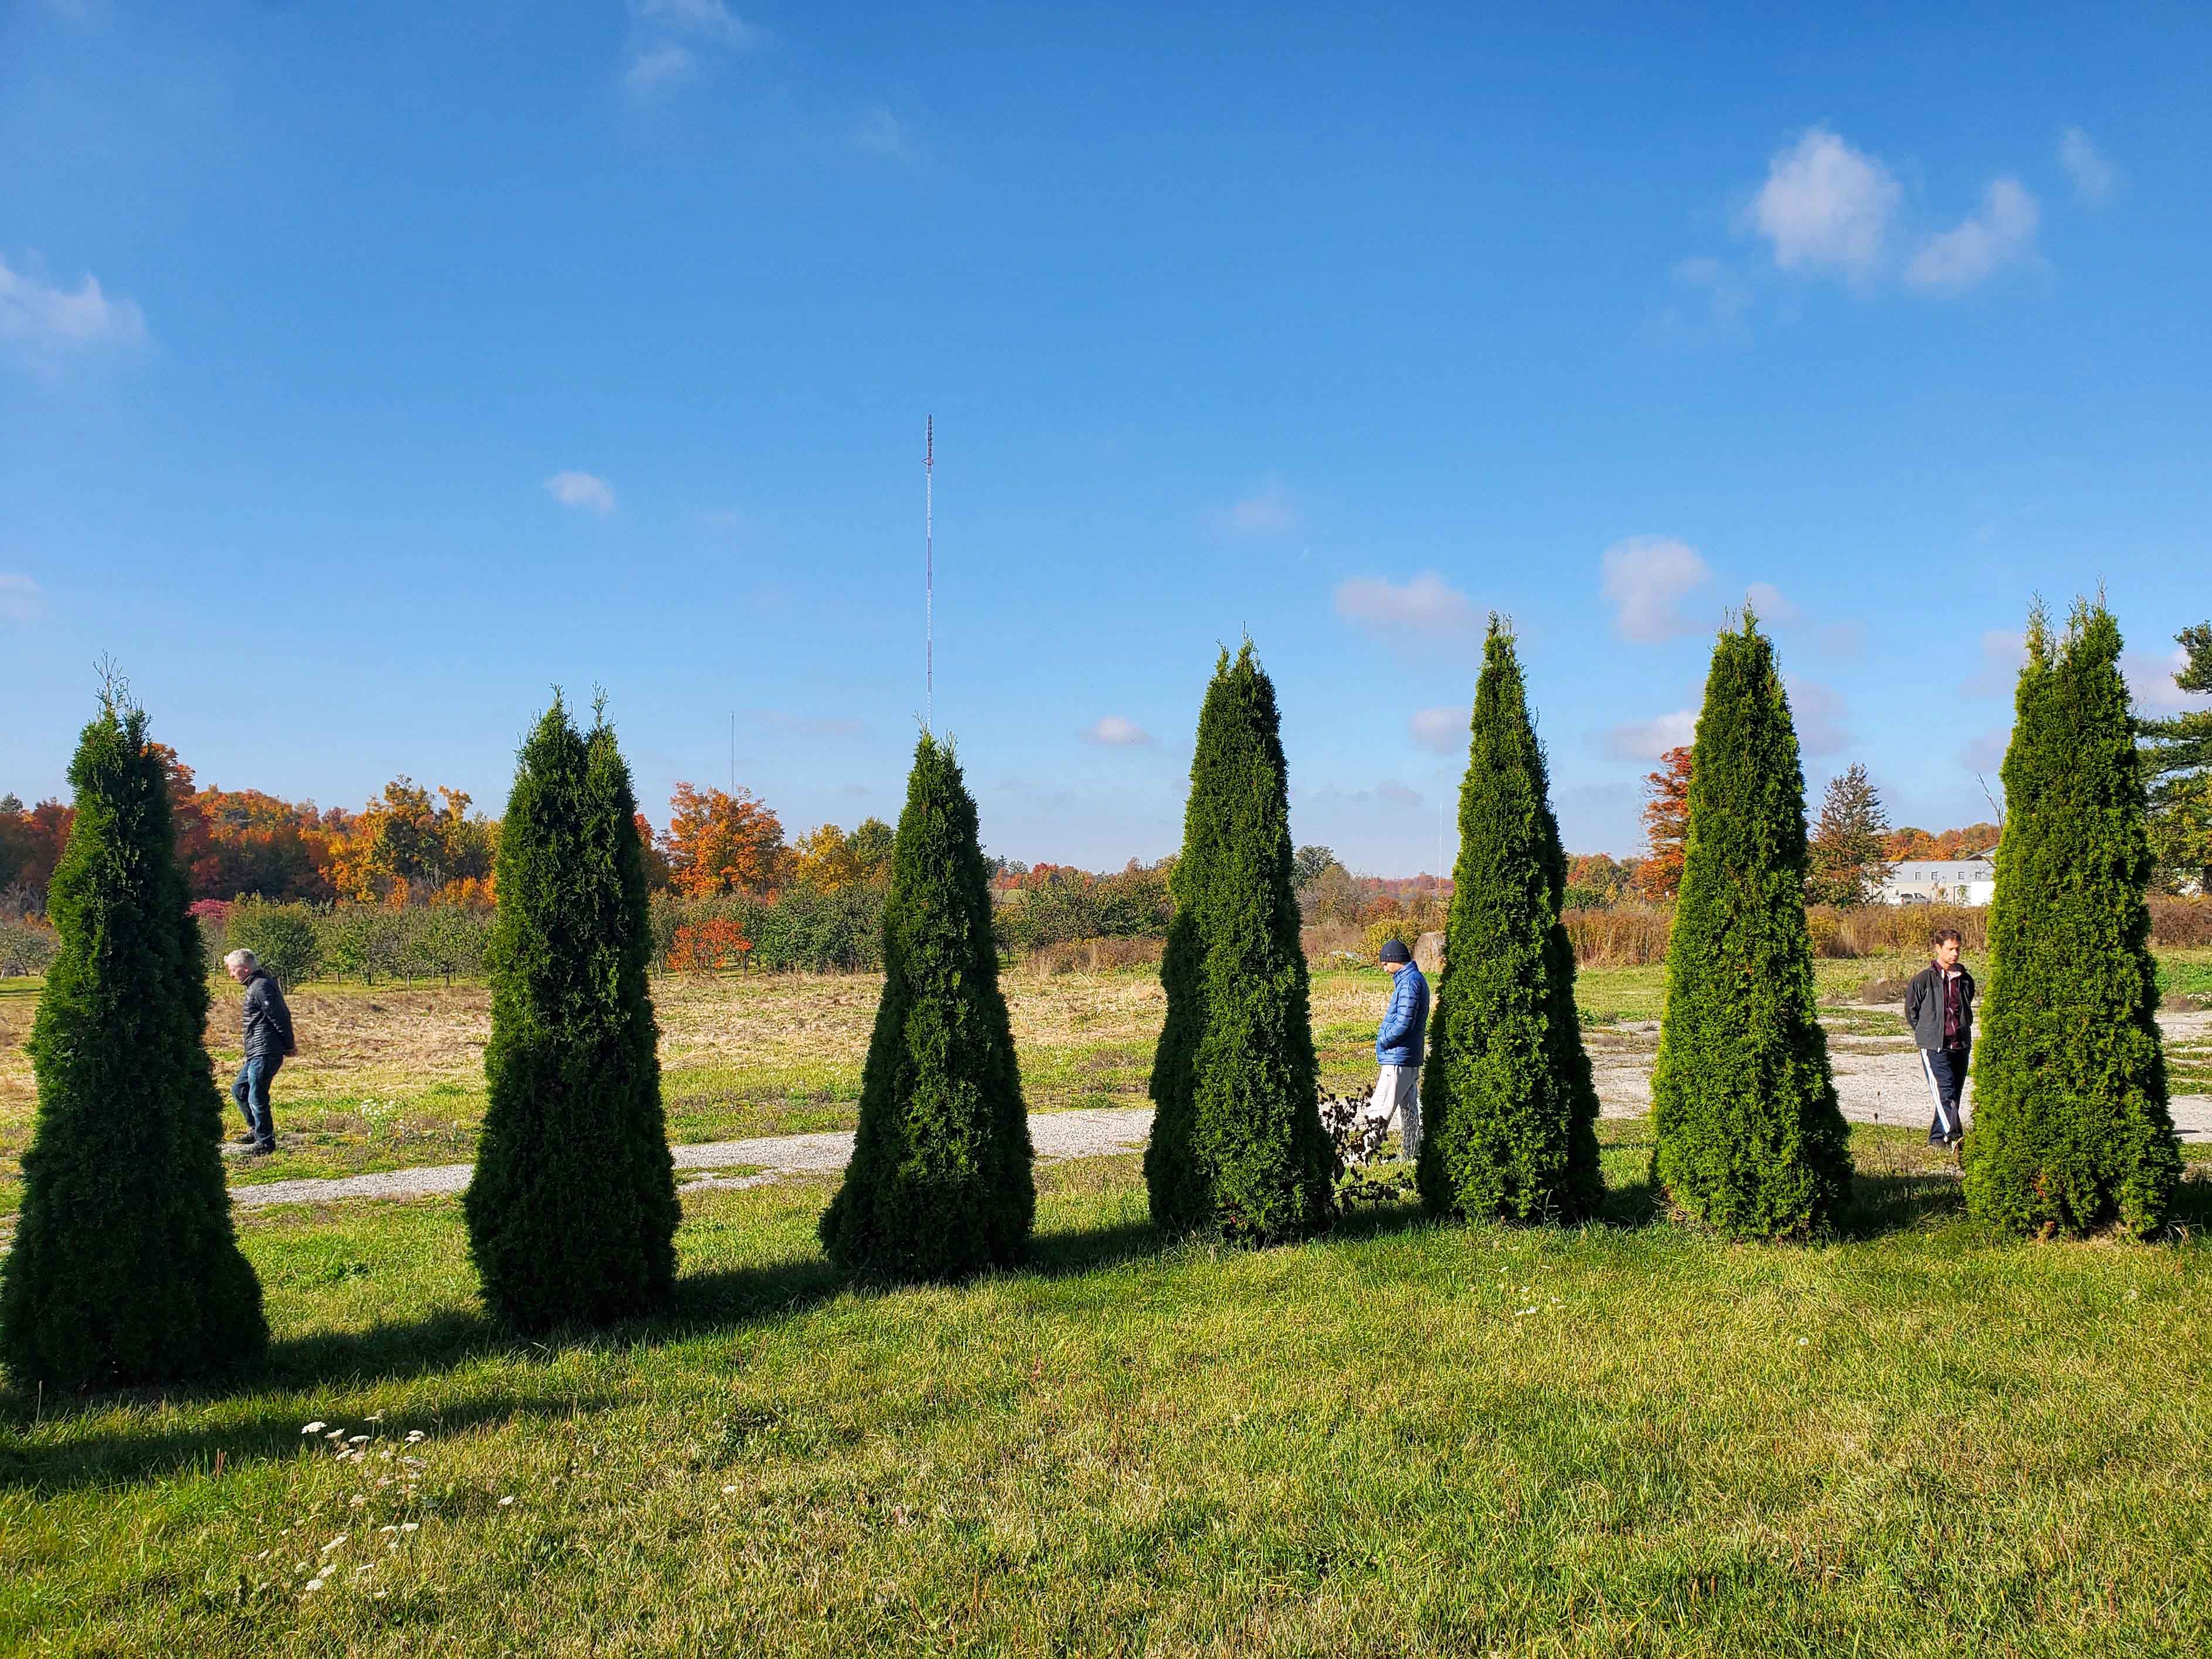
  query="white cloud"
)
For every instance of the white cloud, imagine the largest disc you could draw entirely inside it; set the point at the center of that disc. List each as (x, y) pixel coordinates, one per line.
(1728, 294)
(2150, 681)
(879, 134)
(1442, 728)
(1771, 605)
(1649, 739)
(581, 489)
(46, 319)
(1268, 511)
(2003, 231)
(22, 599)
(1116, 732)
(1397, 794)
(658, 66)
(2093, 175)
(710, 20)
(2004, 653)
(1819, 714)
(1646, 578)
(1427, 608)
(1985, 753)
(1826, 207)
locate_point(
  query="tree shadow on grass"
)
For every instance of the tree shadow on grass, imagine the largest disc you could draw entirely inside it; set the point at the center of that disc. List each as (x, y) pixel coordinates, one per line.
(1897, 1203)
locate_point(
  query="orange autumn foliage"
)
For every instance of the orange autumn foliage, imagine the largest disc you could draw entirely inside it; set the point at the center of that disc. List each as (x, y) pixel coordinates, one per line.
(718, 842)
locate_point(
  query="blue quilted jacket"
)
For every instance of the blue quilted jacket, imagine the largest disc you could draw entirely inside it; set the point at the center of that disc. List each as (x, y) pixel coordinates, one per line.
(1405, 1021)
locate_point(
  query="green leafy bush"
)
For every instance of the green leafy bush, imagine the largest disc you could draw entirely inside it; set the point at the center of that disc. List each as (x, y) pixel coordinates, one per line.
(1748, 1136)
(2071, 1125)
(940, 1184)
(124, 1269)
(285, 939)
(1509, 1101)
(1236, 1140)
(572, 1212)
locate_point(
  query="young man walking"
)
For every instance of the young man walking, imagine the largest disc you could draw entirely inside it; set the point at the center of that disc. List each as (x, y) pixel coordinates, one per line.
(1939, 1006)
(268, 1029)
(1398, 1046)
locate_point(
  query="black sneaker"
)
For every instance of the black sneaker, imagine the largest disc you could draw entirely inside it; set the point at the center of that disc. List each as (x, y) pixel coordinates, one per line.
(261, 1149)
(245, 1138)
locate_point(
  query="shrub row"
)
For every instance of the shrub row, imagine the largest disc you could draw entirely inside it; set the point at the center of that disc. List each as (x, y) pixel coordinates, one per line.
(25, 947)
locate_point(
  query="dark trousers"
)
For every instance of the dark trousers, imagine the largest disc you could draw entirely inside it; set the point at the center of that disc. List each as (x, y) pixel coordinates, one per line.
(1946, 1069)
(251, 1091)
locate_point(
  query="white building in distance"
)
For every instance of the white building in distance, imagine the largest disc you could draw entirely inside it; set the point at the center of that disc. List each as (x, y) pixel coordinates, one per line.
(1940, 881)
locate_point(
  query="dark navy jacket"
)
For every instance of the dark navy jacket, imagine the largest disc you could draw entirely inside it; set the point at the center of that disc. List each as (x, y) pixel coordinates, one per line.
(1404, 1026)
(268, 1022)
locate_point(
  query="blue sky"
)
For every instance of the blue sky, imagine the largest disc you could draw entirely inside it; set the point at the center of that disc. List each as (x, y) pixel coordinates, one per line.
(366, 371)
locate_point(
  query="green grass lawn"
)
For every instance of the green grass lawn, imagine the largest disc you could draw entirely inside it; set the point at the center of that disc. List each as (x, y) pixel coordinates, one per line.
(1404, 1439)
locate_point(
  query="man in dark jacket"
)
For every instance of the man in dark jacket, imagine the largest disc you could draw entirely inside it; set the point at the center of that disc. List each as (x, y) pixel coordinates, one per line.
(1939, 1006)
(1399, 1046)
(268, 1025)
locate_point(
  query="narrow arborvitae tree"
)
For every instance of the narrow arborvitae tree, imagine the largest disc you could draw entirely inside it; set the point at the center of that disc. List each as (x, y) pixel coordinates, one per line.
(1510, 1105)
(1749, 1137)
(572, 1213)
(125, 1269)
(2177, 754)
(2071, 1126)
(1236, 1136)
(1848, 860)
(941, 1184)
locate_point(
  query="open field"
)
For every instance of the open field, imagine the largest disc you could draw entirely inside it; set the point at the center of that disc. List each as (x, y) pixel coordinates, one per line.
(1405, 1439)
(391, 1076)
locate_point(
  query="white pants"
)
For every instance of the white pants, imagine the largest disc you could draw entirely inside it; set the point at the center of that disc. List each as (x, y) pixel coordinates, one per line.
(1398, 1094)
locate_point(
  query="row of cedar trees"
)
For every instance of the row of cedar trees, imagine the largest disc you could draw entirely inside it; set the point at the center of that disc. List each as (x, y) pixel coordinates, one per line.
(125, 1268)
(412, 845)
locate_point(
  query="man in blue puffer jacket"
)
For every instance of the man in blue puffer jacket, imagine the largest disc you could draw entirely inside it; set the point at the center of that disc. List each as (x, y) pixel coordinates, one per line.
(1398, 1046)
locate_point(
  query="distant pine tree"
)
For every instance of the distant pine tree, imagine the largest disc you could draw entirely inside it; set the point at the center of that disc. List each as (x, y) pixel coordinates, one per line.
(941, 1181)
(125, 1269)
(1237, 1135)
(1510, 1103)
(1749, 1137)
(2071, 1125)
(572, 1213)
(1847, 861)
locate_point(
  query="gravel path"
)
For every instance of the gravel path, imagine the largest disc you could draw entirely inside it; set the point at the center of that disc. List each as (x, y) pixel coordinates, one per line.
(1878, 1080)
(1088, 1133)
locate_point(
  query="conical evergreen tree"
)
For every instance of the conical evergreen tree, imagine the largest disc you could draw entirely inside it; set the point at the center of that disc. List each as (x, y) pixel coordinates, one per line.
(1749, 1137)
(572, 1213)
(2071, 1125)
(940, 1184)
(1236, 1136)
(125, 1269)
(1509, 1105)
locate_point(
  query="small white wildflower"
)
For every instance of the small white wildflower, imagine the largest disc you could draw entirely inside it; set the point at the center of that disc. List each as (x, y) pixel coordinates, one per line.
(377, 1417)
(264, 1556)
(413, 1435)
(387, 1529)
(1524, 1313)
(312, 1428)
(312, 1584)
(356, 1501)
(380, 1594)
(728, 1489)
(1804, 1342)
(335, 1542)
(411, 1526)
(504, 1502)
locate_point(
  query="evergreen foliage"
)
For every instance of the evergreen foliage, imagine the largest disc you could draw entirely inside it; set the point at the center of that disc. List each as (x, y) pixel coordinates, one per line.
(2071, 1127)
(2178, 767)
(125, 1269)
(1749, 1137)
(572, 1213)
(940, 1184)
(1849, 859)
(1510, 1105)
(1237, 1134)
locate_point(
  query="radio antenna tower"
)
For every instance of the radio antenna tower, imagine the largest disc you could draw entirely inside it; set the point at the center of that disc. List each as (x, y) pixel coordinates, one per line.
(929, 569)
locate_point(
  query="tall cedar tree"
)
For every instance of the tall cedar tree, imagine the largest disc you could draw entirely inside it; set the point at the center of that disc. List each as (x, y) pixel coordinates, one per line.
(1848, 863)
(2071, 1127)
(941, 1184)
(1749, 1137)
(125, 1269)
(1236, 1136)
(1512, 1105)
(572, 1214)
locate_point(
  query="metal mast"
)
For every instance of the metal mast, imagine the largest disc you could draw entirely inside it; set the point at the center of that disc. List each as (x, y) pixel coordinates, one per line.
(929, 569)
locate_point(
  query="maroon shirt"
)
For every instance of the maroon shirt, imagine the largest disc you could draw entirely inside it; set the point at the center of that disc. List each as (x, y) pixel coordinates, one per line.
(1954, 1036)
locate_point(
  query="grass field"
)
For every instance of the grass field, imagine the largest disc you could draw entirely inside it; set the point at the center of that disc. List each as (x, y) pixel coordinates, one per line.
(1404, 1439)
